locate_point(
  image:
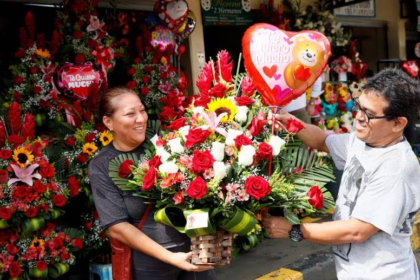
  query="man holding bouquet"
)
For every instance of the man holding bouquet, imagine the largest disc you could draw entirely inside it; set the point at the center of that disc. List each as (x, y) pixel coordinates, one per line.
(379, 193)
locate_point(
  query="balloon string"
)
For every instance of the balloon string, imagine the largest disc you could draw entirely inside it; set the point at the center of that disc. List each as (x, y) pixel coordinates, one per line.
(274, 110)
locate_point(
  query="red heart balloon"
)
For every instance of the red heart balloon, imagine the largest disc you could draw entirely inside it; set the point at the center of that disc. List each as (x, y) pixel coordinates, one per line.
(297, 57)
(411, 68)
(172, 14)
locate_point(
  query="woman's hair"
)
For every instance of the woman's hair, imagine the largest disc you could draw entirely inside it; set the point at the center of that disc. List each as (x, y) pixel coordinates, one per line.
(107, 104)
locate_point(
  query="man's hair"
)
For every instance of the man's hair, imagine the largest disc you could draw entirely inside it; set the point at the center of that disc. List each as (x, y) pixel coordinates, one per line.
(399, 89)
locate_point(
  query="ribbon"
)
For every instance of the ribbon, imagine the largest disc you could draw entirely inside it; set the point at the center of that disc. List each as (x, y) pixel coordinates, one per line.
(241, 223)
(55, 214)
(102, 56)
(33, 224)
(58, 269)
(35, 272)
(4, 224)
(250, 241)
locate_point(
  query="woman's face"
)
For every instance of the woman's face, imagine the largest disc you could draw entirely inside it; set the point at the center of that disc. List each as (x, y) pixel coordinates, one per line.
(128, 122)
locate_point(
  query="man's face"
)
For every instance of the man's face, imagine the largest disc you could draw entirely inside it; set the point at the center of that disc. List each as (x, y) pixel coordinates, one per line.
(375, 132)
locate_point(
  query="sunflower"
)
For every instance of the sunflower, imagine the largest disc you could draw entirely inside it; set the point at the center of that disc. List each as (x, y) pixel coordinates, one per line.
(89, 148)
(223, 105)
(37, 243)
(42, 53)
(106, 137)
(22, 156)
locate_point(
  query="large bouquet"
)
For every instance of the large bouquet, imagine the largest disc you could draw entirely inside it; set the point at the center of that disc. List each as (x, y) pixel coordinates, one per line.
(221, 159)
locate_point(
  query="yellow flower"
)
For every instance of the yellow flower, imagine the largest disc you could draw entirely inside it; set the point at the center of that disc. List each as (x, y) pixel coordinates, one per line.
(106, 137)
(223, 105)
(89, 148)
(163, 60)
(22, 156)
(37, 243)
(42, 53)
(6, 104)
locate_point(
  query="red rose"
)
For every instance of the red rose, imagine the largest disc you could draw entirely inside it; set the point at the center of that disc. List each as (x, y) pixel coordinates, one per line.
(155, 162)
(41, 265)
(178, 198)
(33, 70)
(148, 69)
(131, 85)
(59, 200)
(37, 149)
(5, 154)
(80, 58)
(90, 137)
(5, 213)
(265, 151)
(202, 101)
(149, 179)
(82, 158)
(16, 96)
(95, 215)
(244, 101)
(31, 212)
(65, 256)
(20, 53)
(197, 188)
(196, 136)
(145, 79)
(131, 72)
(202, 161)
(77, 34)
(12, 249)
(5, 236)
(77, 243)
(92, 44)
(47, 171)
(73, 186)
(70, 141)
(137, 60)
(15, 140)
(256, 126)
(125, 168)
(39, 187)
(58, 24)
(15, 270)
(37, 89)
(168, 114)
(164, 75)
(257, 187)
(242, 140)
(344, 129)
(316, 198)
(20, 191)
(145, 91)
(294, 126)
(104, 235)
(4, 176)
(176, 124)
(88, 225)
(218, 90)
(17, 80)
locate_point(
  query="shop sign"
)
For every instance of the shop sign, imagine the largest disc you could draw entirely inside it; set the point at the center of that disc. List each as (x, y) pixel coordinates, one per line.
(363, 9)
(226, 12)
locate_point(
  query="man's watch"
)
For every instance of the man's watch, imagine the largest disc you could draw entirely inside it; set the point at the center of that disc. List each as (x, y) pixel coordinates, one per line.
(311, 103)
(296, 234)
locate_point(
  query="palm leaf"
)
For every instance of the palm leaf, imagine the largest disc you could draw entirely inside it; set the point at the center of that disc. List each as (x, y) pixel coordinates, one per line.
(114, 166)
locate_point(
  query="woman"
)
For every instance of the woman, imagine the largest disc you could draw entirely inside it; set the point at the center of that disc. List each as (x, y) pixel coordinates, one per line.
(157, 250)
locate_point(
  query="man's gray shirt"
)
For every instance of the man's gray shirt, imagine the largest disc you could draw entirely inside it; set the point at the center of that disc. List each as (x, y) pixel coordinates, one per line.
(380, 186)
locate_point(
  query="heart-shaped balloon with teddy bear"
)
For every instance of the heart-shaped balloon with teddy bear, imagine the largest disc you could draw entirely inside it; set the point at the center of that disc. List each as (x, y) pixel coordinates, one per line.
(283, 64)
(172, 14)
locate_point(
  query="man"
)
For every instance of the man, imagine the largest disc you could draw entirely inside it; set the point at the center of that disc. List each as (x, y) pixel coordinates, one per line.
(379, 194)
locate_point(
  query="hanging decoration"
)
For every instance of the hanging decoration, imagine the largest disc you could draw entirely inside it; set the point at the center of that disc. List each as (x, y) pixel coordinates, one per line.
(411, 68)
(171, 14)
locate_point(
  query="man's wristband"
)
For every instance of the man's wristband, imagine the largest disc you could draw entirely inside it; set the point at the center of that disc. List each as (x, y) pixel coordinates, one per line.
(311, 103)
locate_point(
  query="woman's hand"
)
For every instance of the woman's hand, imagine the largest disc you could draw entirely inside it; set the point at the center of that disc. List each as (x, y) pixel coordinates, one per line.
(182, 261)
(280, 119)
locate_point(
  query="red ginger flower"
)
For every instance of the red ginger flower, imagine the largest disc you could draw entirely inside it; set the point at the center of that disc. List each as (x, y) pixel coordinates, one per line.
(28, 128)
(224, 67)
(13, 118)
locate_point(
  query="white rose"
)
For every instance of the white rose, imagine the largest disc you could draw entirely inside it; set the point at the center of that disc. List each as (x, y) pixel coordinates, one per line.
(276, 143)
(246, 155)
(154, 139)
(219, 170)
(168, 167)
(176, 146)
(241, 114)
(164, 155)
(231, 135)
(218, 151)
(184, 131)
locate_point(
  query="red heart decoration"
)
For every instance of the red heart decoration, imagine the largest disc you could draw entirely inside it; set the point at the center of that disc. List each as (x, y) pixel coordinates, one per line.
(300, 58)
(411, 68)
(301, 73)
(172, 14)
(270, 71)
(78, 79)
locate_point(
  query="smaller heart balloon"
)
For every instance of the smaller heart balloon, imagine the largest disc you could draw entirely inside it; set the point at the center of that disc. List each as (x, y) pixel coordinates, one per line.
(411, 68)
(74, 81)
(283, 64)
(187, 27)
(172, 14)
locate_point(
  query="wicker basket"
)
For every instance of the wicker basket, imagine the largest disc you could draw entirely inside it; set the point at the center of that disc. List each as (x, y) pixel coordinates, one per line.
(212, 249)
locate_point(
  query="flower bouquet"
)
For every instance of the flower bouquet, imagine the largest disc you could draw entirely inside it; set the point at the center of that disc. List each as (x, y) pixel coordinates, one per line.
(342, 65)
(46, 252)
(96, 239)
(218, 166)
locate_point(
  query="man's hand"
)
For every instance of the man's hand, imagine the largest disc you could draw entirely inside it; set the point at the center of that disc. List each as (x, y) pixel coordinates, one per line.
(280, 119)
(276, 227)
(182, 261)
(311, 109)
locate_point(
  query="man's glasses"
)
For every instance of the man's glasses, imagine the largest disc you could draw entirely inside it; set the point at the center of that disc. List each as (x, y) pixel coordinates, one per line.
(366, 116)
